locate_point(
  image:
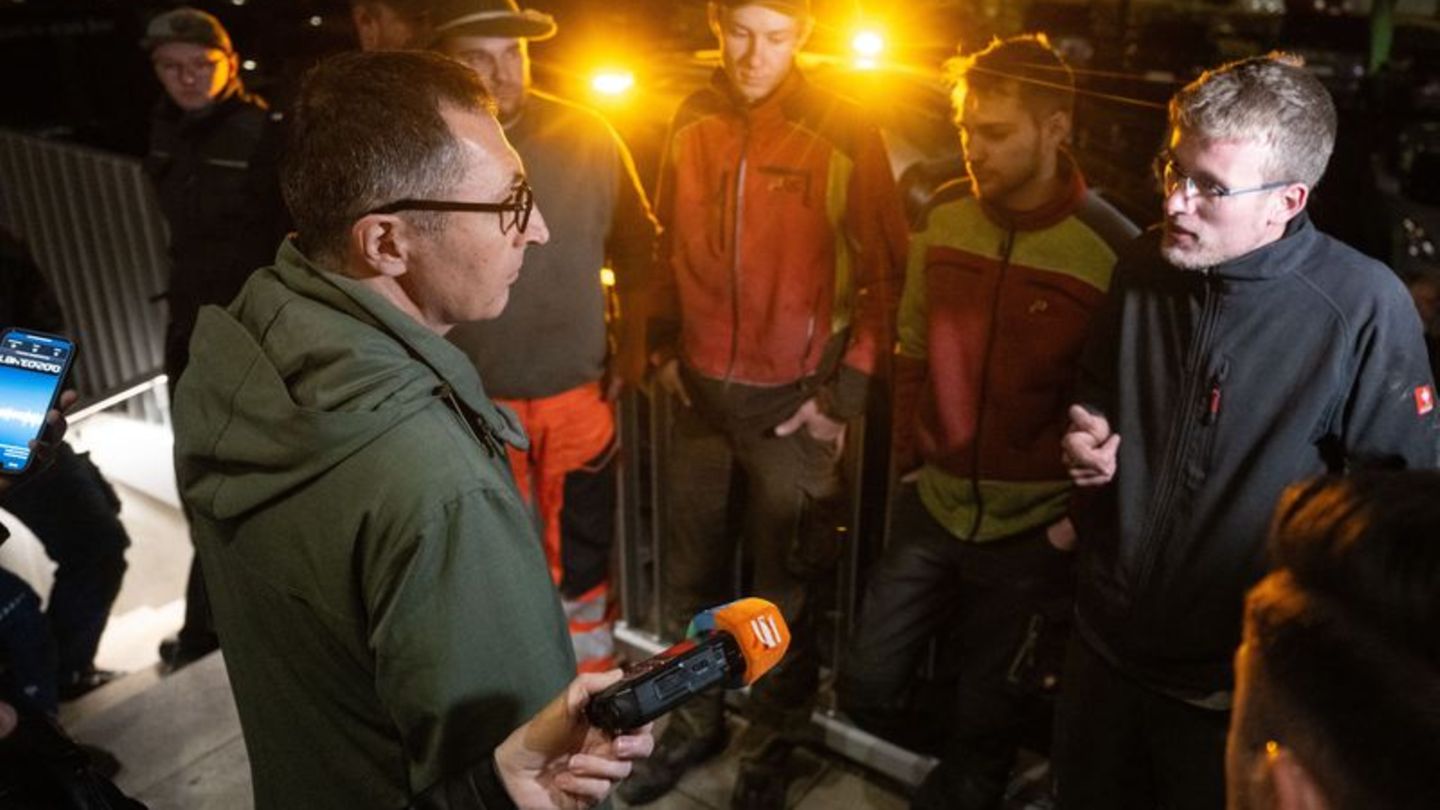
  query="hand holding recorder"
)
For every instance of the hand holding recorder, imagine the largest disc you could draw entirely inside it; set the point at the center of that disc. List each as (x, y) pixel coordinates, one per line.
(731, 645)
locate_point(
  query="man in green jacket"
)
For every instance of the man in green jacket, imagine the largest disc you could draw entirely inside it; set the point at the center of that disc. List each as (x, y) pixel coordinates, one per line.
(387, 616)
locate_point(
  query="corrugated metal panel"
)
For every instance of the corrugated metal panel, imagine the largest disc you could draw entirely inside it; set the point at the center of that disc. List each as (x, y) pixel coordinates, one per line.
(94, 227)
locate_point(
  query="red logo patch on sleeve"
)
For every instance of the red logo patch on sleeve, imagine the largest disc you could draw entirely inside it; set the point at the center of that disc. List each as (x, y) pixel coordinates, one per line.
(1424, 400)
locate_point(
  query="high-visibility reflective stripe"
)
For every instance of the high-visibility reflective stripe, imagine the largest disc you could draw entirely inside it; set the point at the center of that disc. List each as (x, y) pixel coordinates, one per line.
(591, 622)
(588, 611)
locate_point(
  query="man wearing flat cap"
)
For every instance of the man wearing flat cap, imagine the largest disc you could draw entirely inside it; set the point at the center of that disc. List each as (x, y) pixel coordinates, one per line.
(776, 285)
(547, 356)
(213, 161)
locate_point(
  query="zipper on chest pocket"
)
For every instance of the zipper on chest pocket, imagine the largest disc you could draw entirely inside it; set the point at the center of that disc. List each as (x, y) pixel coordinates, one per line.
(1215, 397)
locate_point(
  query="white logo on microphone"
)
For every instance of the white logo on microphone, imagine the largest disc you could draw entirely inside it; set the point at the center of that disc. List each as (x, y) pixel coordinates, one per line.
(765, 630)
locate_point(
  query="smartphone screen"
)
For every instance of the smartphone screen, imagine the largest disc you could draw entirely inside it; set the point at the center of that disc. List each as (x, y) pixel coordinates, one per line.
(32, 368)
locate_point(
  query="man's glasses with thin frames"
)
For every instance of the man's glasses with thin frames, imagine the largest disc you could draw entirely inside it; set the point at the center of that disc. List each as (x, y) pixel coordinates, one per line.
(1172, 178)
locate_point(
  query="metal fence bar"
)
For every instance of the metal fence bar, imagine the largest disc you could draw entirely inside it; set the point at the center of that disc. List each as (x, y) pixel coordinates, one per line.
(96, 231)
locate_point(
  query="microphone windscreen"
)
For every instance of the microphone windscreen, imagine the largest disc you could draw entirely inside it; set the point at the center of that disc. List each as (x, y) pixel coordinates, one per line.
(758, 628)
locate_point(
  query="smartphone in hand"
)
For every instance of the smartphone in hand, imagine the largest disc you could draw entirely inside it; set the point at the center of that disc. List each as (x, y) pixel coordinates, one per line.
(33, 366)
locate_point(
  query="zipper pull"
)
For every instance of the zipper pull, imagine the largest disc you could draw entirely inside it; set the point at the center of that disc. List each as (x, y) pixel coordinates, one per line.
(481, 432)
(1212, 410)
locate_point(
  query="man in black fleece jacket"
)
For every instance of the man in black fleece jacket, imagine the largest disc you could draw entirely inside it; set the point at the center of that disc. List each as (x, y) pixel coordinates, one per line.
(1241, 350)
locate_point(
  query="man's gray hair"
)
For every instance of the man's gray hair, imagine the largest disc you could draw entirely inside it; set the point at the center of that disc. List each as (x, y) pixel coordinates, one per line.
(1271, 99)
(368, 130)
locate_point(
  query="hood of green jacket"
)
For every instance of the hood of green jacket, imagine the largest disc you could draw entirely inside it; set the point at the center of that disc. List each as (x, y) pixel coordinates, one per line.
(289, 381)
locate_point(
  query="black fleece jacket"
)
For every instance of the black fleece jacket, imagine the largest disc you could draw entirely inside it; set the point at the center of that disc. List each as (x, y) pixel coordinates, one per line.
(1300, 358)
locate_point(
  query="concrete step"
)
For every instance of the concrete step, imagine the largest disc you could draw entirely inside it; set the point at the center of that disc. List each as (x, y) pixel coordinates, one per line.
(177, 737)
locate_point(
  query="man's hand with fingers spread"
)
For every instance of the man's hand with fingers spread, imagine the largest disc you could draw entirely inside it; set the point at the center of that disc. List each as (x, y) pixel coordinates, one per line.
(1089, 448)
(558, 761)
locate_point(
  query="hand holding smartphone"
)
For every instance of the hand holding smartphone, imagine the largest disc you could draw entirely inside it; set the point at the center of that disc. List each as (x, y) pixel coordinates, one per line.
(33, 366)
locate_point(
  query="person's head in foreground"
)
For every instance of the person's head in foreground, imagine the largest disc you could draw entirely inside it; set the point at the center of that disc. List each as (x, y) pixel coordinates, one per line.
(1248, 141)
(399, 175)
(1337, 702)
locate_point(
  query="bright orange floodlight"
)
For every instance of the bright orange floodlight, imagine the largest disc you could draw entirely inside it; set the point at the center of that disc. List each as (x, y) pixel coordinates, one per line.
(612, 82)
(868, 44)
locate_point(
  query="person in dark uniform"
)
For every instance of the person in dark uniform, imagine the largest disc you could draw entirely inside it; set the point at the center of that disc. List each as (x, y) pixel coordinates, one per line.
(213, 161)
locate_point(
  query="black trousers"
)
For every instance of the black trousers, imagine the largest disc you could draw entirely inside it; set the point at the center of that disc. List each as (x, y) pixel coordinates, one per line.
(988, 605)
(74, 513)
(1121, 745)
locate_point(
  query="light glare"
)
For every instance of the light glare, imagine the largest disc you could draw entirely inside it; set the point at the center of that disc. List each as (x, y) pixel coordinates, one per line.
(868, 44)
(613, 82)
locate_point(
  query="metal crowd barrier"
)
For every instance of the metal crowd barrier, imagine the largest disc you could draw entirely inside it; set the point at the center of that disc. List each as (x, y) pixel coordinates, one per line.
(92, 223)
(644, 424)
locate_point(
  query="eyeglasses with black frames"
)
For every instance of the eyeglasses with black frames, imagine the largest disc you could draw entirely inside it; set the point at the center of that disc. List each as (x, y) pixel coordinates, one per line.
(514, 211)
(1171, 178)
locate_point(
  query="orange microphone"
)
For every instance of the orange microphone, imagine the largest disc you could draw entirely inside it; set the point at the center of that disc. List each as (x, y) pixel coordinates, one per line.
(730, 646)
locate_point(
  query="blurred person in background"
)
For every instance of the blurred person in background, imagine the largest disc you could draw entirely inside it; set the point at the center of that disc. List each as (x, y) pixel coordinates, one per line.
(781, 250)
(548, 356)
(391, 25)
(41, 768)
(213, 159)
(74, 513)
(1008, 268)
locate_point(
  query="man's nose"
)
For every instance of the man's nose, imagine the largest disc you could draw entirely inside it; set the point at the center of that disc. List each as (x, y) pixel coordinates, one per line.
(751, 55)
(1177, 201)
(537, 232)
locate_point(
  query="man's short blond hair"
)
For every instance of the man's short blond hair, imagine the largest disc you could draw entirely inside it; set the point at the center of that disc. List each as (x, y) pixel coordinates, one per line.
(1269, 99)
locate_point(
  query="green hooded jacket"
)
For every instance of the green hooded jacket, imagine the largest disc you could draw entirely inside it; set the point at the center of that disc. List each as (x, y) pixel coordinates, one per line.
(382, 600)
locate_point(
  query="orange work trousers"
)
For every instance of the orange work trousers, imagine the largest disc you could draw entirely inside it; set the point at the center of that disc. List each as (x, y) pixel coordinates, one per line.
(568, 479)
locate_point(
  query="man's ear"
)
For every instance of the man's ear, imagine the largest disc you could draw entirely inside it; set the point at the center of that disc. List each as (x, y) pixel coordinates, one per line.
(1294, 787)
(1290, 202)
(1056, 129)
(379, 245)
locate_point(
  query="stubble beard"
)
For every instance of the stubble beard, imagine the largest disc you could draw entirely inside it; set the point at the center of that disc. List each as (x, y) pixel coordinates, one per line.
(999, 195)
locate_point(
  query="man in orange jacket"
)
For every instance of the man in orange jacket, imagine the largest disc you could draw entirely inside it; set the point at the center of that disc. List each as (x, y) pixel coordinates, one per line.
(781, 246)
